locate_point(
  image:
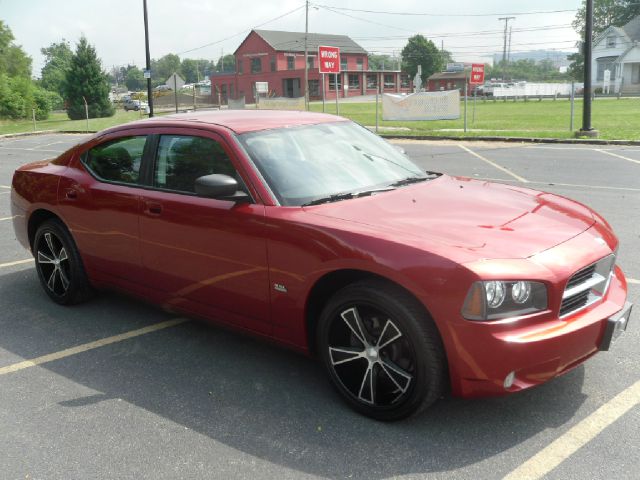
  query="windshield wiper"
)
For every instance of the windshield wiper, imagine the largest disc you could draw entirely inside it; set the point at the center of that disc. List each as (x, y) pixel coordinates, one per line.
(410, 180)
(345, 196)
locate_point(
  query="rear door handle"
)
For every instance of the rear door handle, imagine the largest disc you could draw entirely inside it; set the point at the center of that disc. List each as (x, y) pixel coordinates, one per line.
(71, 194)
(153, 208)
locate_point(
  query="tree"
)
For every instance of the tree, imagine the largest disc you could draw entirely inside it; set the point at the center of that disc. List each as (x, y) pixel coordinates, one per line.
(420, 51)
(85, 79)
(576, 67)
(606, 13)
(14, 62)
(226, 63)
(134, 79)
(164, 67)
(57, 62)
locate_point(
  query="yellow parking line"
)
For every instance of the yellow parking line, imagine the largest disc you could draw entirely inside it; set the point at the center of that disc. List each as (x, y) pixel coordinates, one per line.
(617, 156)
(567, 444)
(493, 164)
(17, 262)
(89, 346)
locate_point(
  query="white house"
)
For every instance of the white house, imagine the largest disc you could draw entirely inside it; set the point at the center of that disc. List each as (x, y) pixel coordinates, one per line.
(617, 49)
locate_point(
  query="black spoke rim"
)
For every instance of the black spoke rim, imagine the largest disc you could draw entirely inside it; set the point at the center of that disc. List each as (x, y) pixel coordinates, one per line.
(53, 263)
(371, 357)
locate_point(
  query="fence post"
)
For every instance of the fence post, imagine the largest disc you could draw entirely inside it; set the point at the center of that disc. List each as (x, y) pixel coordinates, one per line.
(377, 110)
(33, 114)
(86, 112)
(572, 98)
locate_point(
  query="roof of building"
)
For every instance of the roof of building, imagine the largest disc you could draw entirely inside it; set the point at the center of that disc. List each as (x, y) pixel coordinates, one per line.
(446, 75)
(632, 28)
(294, 41)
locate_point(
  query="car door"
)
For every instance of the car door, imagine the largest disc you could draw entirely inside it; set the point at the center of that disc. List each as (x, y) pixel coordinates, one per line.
(99, 199)
(207, 256)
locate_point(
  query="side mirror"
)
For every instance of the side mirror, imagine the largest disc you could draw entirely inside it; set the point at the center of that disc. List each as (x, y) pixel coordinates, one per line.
(219, 186)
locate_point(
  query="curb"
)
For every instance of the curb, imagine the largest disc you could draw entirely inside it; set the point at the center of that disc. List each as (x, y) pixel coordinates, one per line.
(571, 141)
(44, 132)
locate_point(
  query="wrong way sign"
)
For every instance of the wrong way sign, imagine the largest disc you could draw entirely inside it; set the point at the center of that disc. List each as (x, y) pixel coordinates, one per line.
(477, 74)
(329, 59)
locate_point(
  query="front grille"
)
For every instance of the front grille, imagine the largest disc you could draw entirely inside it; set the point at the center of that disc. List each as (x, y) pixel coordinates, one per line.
(581, 276)
(587, 286)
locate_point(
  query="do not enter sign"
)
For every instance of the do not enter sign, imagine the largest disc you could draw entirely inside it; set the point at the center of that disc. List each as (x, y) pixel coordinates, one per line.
(329, 59)
(477, 74)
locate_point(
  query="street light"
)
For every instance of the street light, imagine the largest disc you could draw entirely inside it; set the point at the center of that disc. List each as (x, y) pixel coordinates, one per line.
(148, 69)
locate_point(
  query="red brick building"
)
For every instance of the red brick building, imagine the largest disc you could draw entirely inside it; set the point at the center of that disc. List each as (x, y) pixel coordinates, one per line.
(277, 58)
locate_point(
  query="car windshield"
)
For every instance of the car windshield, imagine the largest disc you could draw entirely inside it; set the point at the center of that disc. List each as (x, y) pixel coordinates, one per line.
(332, 161)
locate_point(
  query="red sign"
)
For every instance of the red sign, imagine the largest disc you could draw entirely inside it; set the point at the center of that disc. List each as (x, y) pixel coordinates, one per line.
(329, 59)
(477, 74)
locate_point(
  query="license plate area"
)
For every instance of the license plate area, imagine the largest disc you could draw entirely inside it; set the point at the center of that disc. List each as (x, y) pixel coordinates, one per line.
(616, 324)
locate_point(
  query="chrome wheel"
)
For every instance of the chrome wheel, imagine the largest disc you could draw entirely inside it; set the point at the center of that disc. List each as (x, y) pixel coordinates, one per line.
(371, 356)
(53, 262)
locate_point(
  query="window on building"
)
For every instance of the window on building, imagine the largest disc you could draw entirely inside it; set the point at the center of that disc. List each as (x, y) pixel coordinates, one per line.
(310, 62)
(360, 63)
(240, 62)
(274, 65)
(256, 65)
(605, 64)
(116, 161)
(182, 159)
(231, 90)
(314, 88)
(354, 80)
(343, 63)
(291, 62)
(332, 82)
(389, 81)
(372, 81)
(611, 41)
(404, 81)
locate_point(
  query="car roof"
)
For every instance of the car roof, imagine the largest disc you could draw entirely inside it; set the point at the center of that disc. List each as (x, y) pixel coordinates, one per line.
(239, 121)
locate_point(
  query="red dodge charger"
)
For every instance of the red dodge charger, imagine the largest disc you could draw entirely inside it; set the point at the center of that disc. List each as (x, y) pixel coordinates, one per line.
(311, 231)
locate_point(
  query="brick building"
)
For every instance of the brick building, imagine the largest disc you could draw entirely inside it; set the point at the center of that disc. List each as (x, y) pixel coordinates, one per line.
(278, 58)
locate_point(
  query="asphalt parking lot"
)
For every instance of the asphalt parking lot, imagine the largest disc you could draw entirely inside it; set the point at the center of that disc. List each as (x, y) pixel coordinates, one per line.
(145, 399)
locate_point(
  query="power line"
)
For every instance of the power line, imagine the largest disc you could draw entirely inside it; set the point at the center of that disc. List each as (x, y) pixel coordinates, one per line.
(242, 32)
(414, 14)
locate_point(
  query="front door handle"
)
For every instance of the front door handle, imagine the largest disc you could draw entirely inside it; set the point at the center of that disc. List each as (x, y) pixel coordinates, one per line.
(153, 208)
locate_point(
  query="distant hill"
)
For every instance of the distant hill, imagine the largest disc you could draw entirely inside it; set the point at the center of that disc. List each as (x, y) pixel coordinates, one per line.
(559, 59)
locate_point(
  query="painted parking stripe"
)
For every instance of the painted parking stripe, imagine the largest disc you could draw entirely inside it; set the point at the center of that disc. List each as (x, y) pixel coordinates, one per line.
(31, 150)
(7, 218)
(576, 437)
(607, 152)
(5, 186)
(633, 280)
(90, 346)
(17, 262)
(493, 164)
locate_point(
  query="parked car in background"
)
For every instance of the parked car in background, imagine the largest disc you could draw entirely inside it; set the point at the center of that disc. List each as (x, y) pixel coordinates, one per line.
(313, 232)
(130, 104)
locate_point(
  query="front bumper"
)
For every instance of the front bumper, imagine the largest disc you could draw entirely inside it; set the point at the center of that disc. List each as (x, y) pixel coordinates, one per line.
(536, 352)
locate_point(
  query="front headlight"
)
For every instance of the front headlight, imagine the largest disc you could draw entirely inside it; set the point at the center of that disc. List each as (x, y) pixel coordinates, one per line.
(495, 299)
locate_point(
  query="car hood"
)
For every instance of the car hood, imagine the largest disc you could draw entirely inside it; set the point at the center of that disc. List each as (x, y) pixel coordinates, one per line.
(490, 219)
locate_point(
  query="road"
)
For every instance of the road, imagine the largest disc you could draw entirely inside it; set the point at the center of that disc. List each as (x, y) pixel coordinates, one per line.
(193, 401)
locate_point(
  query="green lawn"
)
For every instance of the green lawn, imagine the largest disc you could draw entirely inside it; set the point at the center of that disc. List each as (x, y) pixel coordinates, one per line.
(60, 122)
(615, 119)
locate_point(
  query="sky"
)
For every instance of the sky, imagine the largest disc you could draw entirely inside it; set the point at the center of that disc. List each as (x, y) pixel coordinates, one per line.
(470, 29)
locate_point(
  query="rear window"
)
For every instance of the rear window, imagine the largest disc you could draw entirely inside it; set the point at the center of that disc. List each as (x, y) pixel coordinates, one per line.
(116, 161)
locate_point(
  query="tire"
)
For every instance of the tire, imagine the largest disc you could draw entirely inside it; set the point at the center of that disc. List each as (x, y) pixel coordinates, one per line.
(381, 350)
(59, 265)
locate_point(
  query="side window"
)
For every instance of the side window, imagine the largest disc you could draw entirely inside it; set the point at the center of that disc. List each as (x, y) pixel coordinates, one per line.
(116, 161)
(182, 159)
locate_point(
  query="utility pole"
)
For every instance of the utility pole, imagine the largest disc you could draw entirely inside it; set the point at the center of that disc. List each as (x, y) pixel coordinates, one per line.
(587, 129)
(306, 57)
(146, 43)
(504, 49)
(509, 50)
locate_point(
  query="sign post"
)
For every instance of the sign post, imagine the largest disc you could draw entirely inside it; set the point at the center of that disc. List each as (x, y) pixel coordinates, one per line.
(329, 62)
(477, 78)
